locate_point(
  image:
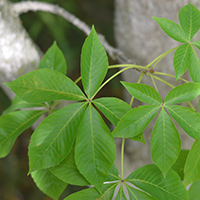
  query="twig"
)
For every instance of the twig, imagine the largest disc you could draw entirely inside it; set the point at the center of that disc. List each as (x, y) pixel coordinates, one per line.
(23, 7)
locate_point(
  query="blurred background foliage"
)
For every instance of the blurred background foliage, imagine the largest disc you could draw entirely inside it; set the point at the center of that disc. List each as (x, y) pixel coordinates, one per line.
(44, 28)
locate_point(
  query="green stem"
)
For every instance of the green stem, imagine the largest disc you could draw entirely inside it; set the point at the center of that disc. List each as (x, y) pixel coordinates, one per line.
(116, 74)
(161, 80)
(154, 82)
(127, 65)
(77, 80)
(160, 57)
(122, 159)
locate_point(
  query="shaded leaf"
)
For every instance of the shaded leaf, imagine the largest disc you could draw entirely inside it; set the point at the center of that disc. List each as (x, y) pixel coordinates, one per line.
(172, 29)
(120, 194)
(189, 17)
(112, 108)
(192, 165)
(68, 172)
(94, 64)
(95, 149)
(113, 174)
(135, 194)
(54, 59)
(135, 121)
(12, 125)
(179, 165)
(49, 146)
(18, 103)
(187, 118)
(151, 180)
(45, 85)
(48, 183)
(143, 92)
(182, 59)
(183, 93)
(139, 138)
(165, 142)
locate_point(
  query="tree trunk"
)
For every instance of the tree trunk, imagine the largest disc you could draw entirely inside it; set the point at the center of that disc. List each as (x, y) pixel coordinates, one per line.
(142, 40)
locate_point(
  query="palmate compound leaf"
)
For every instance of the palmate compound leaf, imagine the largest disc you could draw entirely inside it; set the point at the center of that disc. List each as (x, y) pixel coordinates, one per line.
(48, 183)
(187, 118)
(183, 93)
(192, 165)
(113, 108)
(12, 125)
(95, 148)
(94, 63)
(189, 17)
(53, 139)
(143, 92)
(54, 59)
(151, 180)
(172, 29)
(182, 58)
(135, 121)
(45, 85)
(120, 194)
(165, 142)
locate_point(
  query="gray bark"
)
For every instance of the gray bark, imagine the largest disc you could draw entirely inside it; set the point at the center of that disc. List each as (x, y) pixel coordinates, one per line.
(142, 40)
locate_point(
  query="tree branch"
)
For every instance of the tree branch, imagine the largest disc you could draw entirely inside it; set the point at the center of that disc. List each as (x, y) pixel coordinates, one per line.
(23, 7)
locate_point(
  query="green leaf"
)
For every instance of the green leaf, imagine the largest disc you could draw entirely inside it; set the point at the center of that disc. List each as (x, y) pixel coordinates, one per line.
(187, 118)
(135, 121)
(54, 59)
(183, 93)
(120, 194)
(182, 59)
(49, 146)
(18, 103)
(189, 17)
(150, 179)
(196, 43)
(143, 92)
(194, 68)
(135, 194)
(113, 174)
(12, 125)
(194, 191)
(179, 165)
(192, 165)
(48, 183)
(108, 191)
(45, 85)
(68, 172)
(95, 149)
(172, 29)
(94, 64)
(165, 142)
(139, 138)
(112, 108)
(90, 193)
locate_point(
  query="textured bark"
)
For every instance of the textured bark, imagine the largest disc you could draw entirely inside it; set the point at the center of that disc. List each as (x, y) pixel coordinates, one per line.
(18, 54)
(141, 39)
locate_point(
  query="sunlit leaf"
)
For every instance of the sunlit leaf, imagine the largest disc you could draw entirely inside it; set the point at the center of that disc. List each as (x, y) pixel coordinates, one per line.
(120, 194)
(194, 192)
(187, 118)
(45, 85)
(165, 142)
(143, 92)
(183, 93)
(114, 109)
(94, 63)
(135, 121)
(12, 125)
(139, 138)
(192, 165)
(95, 149)
(48, 183)
(151, 180)
(54, 59)
(172, 29)
(49, 146)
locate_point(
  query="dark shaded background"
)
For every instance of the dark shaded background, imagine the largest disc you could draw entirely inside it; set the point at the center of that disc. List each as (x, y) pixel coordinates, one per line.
(44, 28)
